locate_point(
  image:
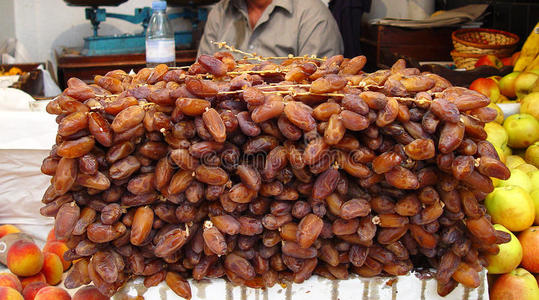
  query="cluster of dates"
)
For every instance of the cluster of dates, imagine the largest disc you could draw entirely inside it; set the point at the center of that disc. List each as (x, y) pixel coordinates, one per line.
(268, 172)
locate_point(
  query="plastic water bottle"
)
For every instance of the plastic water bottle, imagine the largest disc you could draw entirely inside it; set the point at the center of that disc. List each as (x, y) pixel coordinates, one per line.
(160, 38)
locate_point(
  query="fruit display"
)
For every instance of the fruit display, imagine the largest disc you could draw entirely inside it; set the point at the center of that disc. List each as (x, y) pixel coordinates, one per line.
(264, 172)
(524, 79)
(12, 71)
(514, 203)
(35, 273)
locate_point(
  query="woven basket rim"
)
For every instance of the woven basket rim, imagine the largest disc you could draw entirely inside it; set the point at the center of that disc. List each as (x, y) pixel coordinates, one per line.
(464, 54)
(455, 36)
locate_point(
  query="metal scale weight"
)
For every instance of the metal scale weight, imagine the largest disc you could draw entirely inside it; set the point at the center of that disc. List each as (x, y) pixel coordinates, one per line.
(135, 43)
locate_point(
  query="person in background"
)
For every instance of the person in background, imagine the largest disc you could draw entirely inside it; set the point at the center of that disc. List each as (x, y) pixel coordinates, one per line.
(272, 28)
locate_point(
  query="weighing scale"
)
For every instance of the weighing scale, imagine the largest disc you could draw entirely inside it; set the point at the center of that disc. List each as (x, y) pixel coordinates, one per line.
(136, 43)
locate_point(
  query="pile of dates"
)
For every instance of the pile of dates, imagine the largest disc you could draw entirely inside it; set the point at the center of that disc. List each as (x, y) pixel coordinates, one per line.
(263, 172)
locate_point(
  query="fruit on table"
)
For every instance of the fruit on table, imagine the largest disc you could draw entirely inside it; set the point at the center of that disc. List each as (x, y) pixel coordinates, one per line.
(24, 258)
(522, 130)
(487, 87)
(489, 60)
(499, 111)
(525, 83)
(8, 293)
(513, 161)
(39, 277)
(527, 168)
(496, 134)
(535, 197)
(507, 61)
(507, 84)
(518, 178)
(529, 239)
(400, 144)
(7, 229)
(512, 207)
(509, 256)
(532, 154)
(52, 293)
(10, 280)
(58, 248)
(534, 177)
(52, 268)
(530, 105)
(529, 50)
(30, 291)
(518, 284)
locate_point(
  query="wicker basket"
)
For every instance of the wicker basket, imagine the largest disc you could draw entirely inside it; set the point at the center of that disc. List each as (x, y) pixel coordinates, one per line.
(484, 41)
(465, 60)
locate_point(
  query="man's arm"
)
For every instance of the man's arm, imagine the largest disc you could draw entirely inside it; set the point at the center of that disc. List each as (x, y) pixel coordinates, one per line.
(211, 31)
(319, 33)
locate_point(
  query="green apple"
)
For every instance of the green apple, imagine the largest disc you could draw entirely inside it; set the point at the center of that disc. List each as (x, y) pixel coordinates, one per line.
(511, 206)
(518, 178)
(530, 105)
(534, 178)
(522, 130)
(499, 112)
(507, 84)
(509, 256)
(535, 197)
(524, 83)
(518, 284)
(513, 161)
(496, 134)
(532, 154)
(506, 151)
(527, 168)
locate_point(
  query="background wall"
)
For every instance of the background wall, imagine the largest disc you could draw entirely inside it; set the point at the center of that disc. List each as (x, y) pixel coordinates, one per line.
(45, 26)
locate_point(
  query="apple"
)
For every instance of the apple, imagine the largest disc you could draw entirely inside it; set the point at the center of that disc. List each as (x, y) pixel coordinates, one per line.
(506, 151)
(507, 61)
(489, 60)
(530, 105)
(507, 84)
(518, 284)
(532, 154)
(527, 168)
(522, 129)
(534, 177)
(529, 240)
(518, 178)
(509, 256)
(515, 57)
(513, 161)
(535, 197)
(496, 134)
(499, 112)
(524, 83)
(487, 87)
(511, 206)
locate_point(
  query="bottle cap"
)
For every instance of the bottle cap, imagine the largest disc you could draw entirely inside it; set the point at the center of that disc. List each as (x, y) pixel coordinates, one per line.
(159, 5)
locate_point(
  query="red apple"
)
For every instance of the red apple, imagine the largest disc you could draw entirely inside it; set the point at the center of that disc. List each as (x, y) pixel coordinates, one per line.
(507, 61)
(489, 60)
(487, 87)
(518, 284)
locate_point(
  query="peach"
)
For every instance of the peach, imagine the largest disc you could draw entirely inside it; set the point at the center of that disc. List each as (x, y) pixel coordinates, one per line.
(39, 277)
(51, 236)
(518, 284)
(30, 291)
(52, 268)
(7, 229)
(52, 293)
(24, 258)
(10, 280)
(89, 292)
(7, 293)
(529, 239)
(58, 248)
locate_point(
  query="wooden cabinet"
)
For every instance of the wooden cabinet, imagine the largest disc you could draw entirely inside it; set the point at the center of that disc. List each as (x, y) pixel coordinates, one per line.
(379, 42)
(86, 67)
